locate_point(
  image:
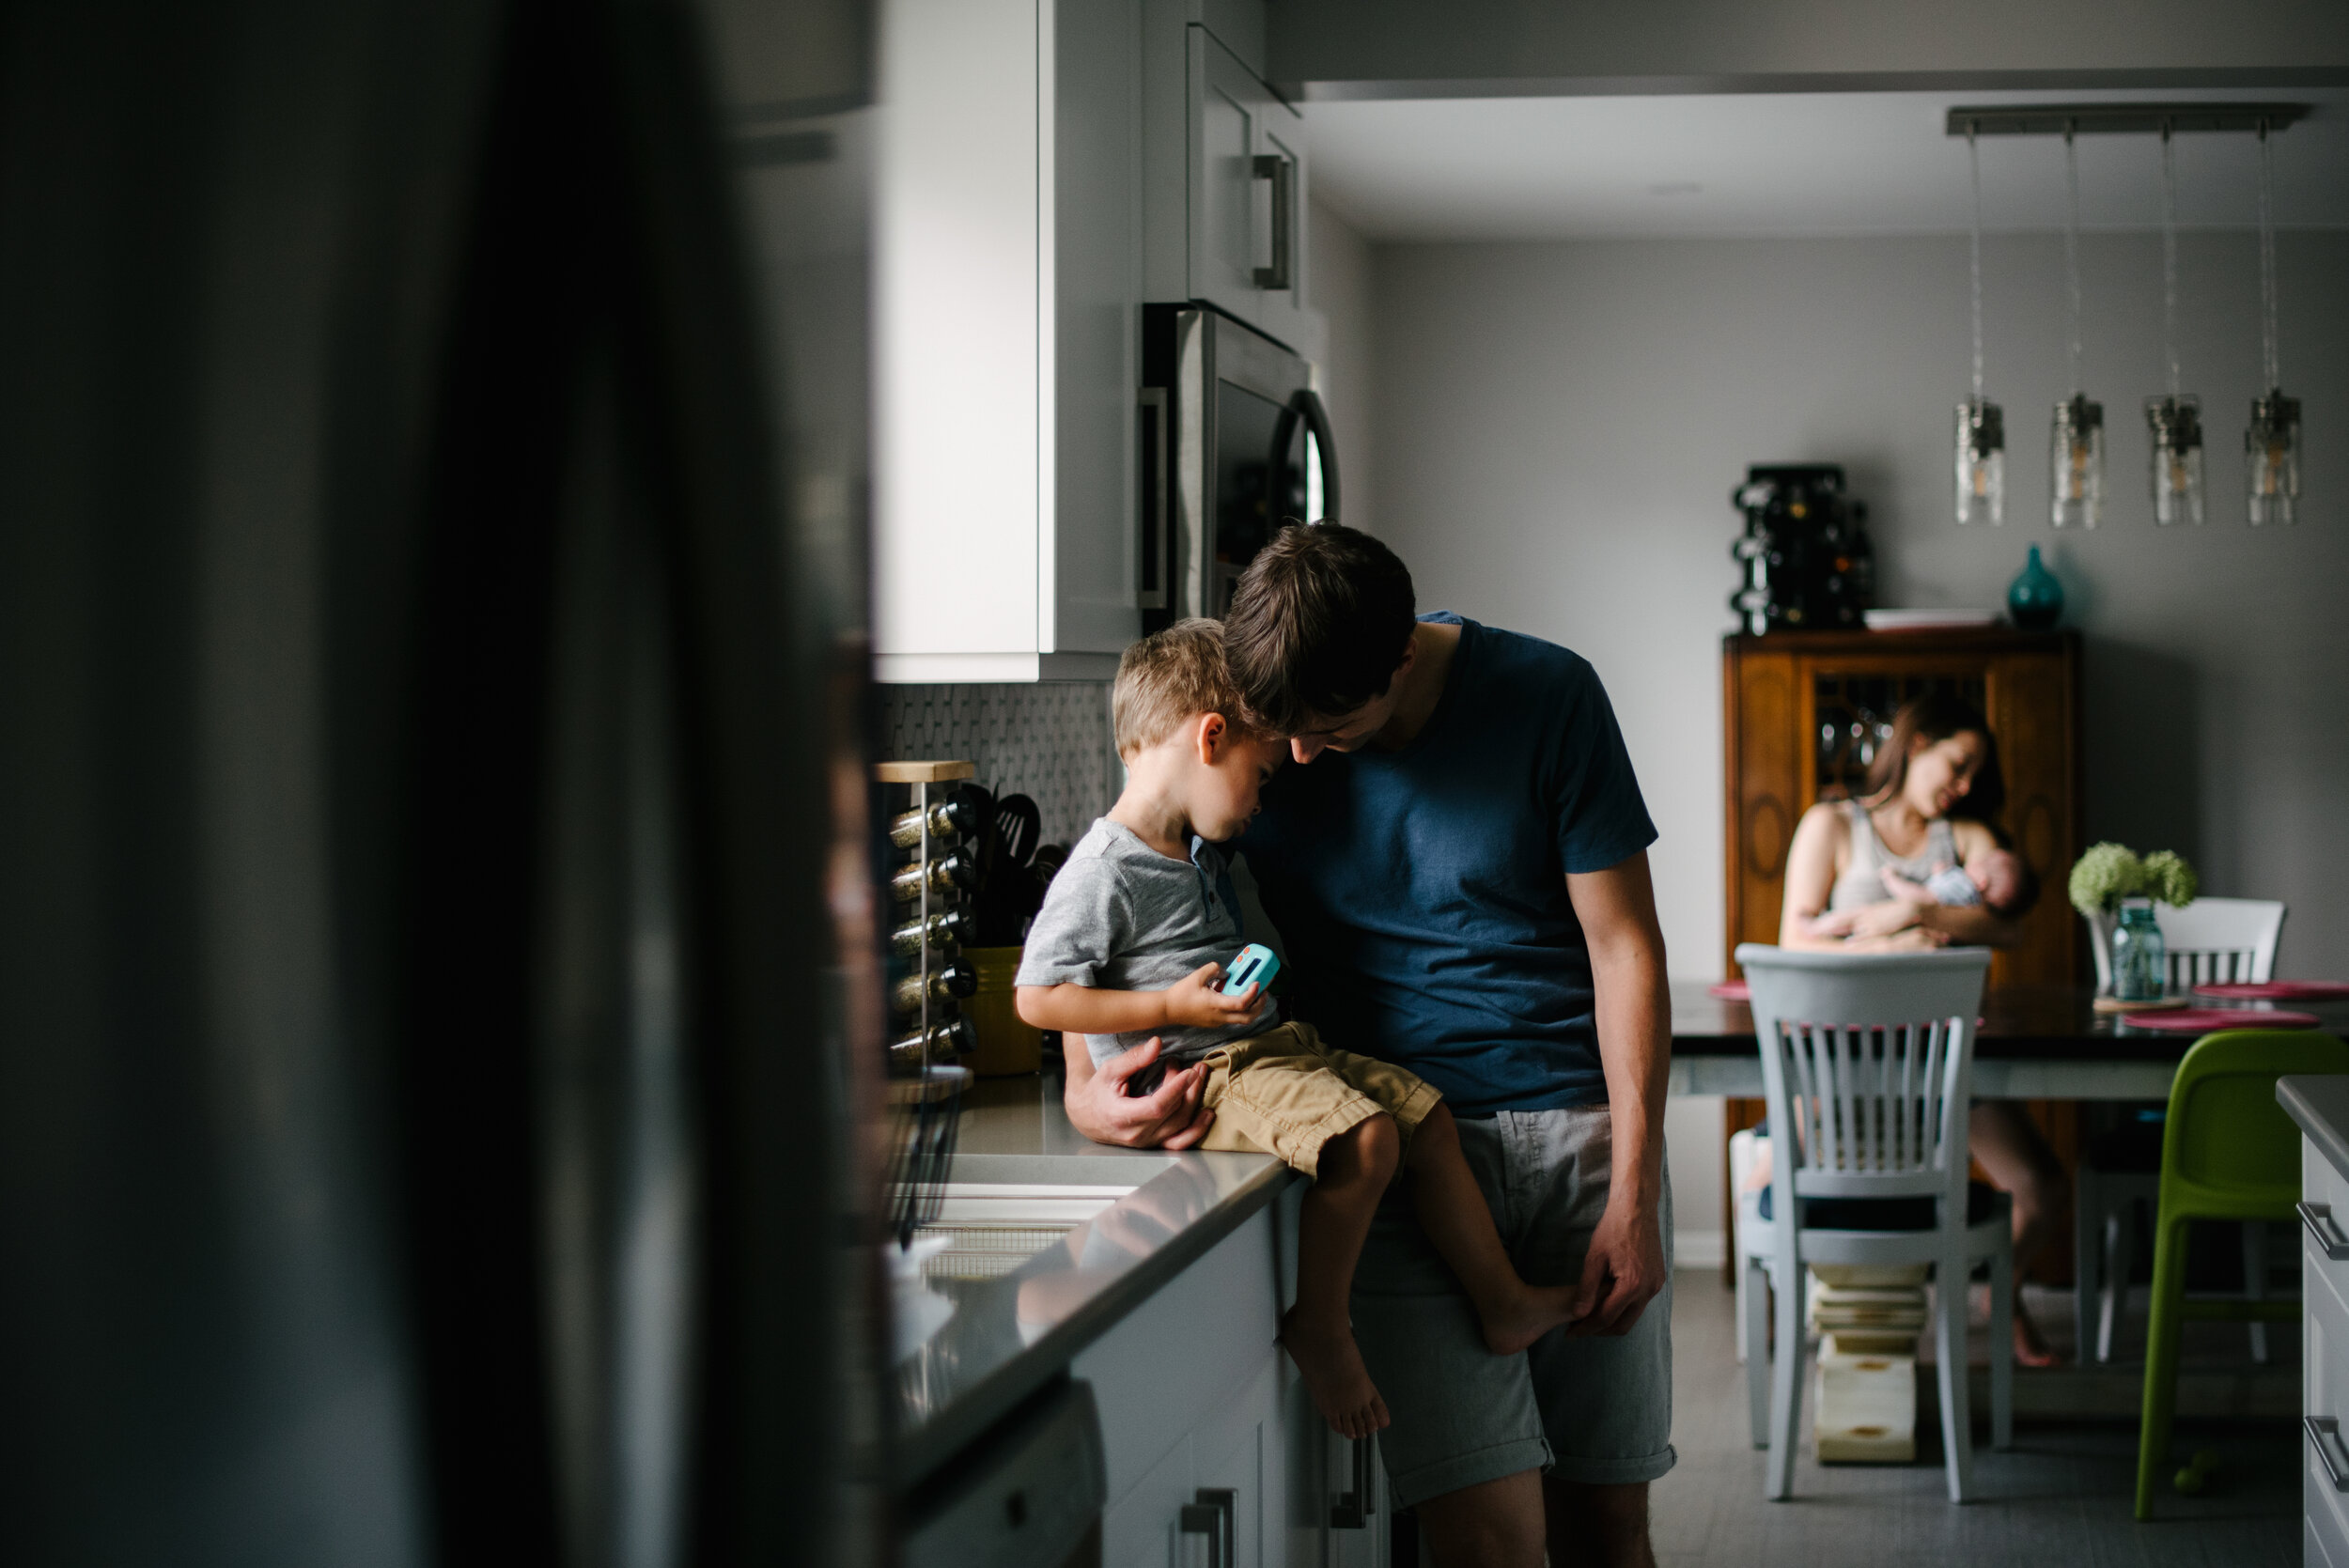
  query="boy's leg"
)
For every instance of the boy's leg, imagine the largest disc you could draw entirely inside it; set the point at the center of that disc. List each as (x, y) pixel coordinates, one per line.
(1355, 1168)
(1452, 1211)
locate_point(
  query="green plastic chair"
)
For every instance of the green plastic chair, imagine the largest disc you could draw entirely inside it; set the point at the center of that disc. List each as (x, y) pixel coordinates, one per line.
(2228, 1152)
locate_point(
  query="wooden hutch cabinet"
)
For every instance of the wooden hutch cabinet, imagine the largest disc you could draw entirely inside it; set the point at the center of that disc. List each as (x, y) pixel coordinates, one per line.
(1804, 712)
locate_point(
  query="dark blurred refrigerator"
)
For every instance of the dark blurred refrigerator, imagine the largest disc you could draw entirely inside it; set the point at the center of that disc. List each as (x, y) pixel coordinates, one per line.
(437, 1016)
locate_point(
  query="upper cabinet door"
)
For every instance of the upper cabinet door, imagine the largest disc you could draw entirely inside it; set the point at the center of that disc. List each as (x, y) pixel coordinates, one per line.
(1230, 205)
(1280, 210)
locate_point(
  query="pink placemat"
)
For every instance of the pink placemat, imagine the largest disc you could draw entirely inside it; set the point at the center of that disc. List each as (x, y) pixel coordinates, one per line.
(1730, 991)
(2280, 990)
(2201, 1021)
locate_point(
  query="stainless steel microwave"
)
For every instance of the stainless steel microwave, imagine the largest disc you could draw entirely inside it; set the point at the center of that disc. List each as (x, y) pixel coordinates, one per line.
(1235, 443)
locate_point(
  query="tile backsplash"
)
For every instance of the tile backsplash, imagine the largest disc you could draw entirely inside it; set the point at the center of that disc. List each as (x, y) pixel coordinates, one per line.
(1049, 740)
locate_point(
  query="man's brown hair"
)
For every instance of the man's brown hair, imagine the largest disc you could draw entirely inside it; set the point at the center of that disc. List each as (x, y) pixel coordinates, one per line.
(1321, 620)
(1168, 677)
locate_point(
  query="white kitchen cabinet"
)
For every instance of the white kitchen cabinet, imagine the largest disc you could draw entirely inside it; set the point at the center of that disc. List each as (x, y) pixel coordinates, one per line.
(1225, 171)
(1008, 292)
(1205, 1425)
(2323, 1359)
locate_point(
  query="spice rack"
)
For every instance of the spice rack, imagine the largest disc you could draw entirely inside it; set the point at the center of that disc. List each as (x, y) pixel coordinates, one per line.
(927, 819)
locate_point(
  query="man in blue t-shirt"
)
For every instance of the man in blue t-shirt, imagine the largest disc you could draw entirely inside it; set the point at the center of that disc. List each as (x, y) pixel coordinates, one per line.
(1460, 877)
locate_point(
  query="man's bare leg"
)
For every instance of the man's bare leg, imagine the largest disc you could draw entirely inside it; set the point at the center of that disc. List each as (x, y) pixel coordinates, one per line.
(1597, 1526)
(1494, 1524)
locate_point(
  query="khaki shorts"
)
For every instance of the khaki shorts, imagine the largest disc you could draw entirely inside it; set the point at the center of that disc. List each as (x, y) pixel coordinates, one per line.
(1285, 1093)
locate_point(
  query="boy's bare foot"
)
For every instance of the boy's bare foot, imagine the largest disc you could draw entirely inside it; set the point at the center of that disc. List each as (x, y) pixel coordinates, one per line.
(1332, 1368)
(1534, 1311)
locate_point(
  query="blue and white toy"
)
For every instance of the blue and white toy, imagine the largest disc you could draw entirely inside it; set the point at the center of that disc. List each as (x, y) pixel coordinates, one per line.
(1255, 964)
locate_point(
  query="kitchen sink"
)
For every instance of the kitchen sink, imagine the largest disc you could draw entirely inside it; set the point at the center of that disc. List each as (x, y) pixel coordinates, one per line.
(994, 1227)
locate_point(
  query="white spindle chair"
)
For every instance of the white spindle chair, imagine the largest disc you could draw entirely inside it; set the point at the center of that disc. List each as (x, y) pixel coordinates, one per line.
(2209, 942)
(1867, 1061)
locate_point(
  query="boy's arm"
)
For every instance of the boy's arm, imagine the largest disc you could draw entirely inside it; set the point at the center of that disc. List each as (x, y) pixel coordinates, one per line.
(1098, 1106)
(1192, 1003)
(1626, 1266)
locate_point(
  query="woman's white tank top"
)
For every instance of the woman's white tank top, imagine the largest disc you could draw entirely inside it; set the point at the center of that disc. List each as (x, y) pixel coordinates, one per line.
(1862, 881)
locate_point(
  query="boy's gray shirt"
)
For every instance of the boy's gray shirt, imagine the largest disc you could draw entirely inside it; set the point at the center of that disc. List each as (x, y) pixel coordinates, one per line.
(1122, 917)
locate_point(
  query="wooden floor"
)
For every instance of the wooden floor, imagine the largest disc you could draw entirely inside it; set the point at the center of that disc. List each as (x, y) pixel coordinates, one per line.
(2060, 1496)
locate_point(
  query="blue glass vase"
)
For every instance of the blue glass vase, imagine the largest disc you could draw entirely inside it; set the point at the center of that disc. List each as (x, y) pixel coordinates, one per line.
(2141, 970)
(2034, 600)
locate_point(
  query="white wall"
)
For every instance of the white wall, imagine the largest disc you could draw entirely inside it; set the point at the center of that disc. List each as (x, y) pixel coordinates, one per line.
(1559, 428)
(1339, 279)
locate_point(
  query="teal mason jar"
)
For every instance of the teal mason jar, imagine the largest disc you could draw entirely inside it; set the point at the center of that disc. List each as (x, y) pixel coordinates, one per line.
(2139, 967)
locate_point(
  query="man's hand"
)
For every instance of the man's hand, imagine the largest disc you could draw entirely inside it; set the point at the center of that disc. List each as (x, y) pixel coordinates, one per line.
(1169, 1117)
(1193, 1002)
(1623, 1271)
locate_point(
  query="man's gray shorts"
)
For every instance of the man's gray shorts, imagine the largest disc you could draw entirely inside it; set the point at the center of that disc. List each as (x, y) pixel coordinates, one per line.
(1596, 1410)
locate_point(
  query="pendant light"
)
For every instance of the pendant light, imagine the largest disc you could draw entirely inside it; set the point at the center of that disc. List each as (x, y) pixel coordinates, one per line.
(2271, 445)
(2076, 447)
(2175, 419)
(1981, 425)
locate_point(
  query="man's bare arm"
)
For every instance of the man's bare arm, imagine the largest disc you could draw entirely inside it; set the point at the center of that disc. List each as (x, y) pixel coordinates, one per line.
(1098, 1106)
(1633, 1006)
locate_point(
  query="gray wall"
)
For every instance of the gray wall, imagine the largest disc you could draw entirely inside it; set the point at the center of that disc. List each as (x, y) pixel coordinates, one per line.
(1340, 280)
(1555, 431)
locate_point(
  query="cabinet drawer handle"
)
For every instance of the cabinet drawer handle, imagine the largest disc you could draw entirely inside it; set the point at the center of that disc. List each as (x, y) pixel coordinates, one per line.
(1282, 173)
(2324, 1436)
(1352, 1510)
(2317, 1219)
(1212, 1516)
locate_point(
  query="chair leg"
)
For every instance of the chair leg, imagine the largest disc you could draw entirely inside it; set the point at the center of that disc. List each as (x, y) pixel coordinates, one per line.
(1786, 1384)
(2088, 1256)
(2120, 1263)
(2002, 1345)
(1753, 1325)
(1957, 1416)
(2255, 1281)
(2161, 1361)
(1744, 1290)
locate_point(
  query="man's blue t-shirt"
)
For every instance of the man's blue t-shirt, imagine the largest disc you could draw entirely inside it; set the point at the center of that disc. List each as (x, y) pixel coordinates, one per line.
(1422, 892)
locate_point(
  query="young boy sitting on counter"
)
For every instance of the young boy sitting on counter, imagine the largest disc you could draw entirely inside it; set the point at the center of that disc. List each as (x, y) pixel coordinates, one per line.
(1127, 954)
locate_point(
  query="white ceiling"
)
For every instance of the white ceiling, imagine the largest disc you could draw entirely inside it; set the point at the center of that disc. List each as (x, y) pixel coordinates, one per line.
(1789, 163)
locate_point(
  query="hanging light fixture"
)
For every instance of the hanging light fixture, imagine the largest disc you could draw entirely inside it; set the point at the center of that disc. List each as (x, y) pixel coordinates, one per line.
(1981, 425)
(2271, 445)
(2175, 419)
(2076, 447)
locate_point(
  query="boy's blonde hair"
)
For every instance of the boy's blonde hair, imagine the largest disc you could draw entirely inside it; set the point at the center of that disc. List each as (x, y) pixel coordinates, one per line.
(1170, 677)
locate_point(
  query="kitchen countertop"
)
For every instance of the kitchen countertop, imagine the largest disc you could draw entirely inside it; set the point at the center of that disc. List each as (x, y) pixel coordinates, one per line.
(2320, 1103)
(1010, 1336)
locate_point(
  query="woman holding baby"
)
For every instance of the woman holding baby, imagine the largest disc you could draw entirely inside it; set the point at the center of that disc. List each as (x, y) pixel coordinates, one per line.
(1915, 862)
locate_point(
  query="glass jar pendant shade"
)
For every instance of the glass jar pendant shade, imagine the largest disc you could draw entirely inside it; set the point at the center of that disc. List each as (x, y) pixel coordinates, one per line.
(1980, 462)
(1980, 425)
(2271, 453)
(2075, 449)
(2176, 424)
(2271, 442)
(2174, 419)
(2076, 445)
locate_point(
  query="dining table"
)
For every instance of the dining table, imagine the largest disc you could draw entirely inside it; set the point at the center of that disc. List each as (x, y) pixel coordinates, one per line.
(2032, 1042)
